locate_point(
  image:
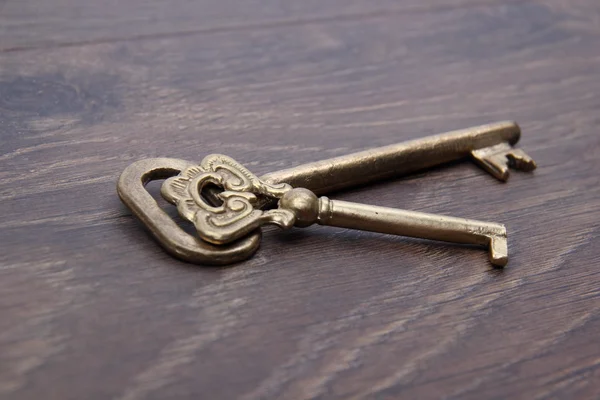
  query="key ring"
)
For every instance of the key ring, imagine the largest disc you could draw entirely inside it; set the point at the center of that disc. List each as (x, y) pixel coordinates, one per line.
(176, 241)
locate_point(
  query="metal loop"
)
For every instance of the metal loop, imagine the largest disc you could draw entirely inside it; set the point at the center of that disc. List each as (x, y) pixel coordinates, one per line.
(177, 242)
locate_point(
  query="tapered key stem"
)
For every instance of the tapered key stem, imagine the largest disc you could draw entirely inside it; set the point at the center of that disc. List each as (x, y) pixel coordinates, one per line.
(393, 221)
(398, 159)
(307, 209)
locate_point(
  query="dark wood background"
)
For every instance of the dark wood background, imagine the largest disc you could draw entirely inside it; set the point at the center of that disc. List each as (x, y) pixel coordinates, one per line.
(92, 308)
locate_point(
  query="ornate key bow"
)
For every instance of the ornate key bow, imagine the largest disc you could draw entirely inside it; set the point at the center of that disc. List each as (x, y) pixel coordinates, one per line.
(237, 215)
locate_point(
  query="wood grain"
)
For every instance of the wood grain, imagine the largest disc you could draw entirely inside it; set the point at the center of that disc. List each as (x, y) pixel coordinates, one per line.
(92, 308)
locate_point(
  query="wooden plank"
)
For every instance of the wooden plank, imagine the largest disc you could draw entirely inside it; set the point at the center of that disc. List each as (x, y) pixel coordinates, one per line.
(92, 308)
(70, 22)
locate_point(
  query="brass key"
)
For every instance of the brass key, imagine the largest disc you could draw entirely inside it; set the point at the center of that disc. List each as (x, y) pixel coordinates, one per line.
(237, 216)
(489, 145)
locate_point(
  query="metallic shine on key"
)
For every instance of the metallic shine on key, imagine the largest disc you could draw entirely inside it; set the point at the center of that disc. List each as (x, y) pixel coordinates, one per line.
(488, 145)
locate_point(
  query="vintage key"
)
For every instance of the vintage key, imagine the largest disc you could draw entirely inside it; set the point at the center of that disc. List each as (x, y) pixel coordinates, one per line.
(489, 145)
(237, 216)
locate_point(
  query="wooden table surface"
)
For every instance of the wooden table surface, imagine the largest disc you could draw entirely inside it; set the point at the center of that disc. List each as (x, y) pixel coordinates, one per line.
(92, 308)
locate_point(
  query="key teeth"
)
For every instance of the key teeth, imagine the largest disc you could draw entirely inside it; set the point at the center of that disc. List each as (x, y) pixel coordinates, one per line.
(518, 159)
(499, 158)
(498, 251)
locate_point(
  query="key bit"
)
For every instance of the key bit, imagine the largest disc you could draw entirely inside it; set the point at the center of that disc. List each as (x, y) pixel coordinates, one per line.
(497, 160)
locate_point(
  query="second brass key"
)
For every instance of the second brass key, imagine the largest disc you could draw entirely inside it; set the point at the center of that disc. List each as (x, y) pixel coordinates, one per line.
(307, 207)
(237, 215)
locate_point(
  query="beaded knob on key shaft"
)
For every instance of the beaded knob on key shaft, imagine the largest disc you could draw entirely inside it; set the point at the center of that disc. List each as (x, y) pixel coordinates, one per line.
(242, 191)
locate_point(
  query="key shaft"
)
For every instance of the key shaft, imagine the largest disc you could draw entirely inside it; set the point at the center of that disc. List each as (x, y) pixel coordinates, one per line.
(404, 158)
(414, 224)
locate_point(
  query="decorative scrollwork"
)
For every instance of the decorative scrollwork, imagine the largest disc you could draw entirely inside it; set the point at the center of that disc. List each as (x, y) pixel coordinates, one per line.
(236, 216)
